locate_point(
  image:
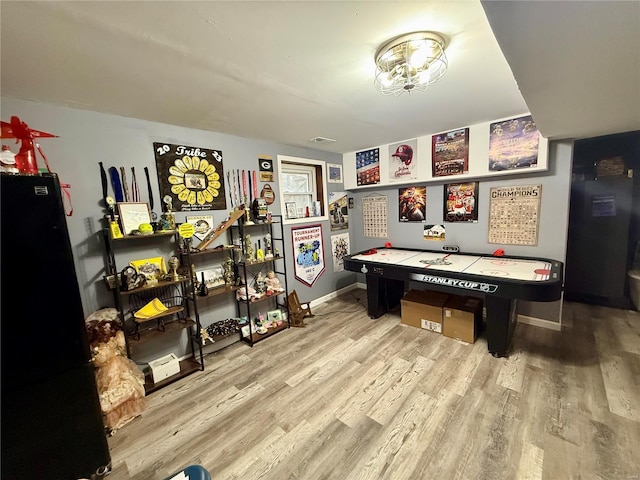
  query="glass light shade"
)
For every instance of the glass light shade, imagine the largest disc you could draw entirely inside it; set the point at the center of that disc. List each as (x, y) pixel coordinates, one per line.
(410, 62)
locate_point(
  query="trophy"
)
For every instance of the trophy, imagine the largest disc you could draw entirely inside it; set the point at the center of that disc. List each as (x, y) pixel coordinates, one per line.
(174, 263)
(169, 217)
(114, 228)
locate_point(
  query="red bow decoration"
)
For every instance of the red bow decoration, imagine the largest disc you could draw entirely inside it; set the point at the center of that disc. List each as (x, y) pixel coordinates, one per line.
(26, 157)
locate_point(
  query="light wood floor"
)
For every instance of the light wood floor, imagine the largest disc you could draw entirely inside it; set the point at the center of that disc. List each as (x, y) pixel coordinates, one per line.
(348, 397)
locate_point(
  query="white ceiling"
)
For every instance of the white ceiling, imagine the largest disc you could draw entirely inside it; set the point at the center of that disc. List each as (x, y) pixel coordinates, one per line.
(291, 71)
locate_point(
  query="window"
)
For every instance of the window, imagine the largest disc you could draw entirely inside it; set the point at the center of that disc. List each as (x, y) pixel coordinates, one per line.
(302, 189)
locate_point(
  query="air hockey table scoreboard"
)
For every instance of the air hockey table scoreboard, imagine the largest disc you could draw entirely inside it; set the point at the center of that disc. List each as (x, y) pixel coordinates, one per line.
(501, 280)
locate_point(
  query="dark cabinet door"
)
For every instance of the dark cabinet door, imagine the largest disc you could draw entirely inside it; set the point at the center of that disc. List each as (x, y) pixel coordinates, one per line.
(597, 248)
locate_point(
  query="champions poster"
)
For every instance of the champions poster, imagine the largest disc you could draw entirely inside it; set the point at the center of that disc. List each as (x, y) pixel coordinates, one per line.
(308, 253)
(191, 176)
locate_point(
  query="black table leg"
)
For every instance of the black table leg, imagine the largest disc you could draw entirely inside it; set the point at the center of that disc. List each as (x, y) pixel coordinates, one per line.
(502, 317)
(383, 294)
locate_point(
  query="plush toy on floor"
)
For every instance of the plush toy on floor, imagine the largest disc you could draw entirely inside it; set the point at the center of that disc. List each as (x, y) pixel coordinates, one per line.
(120, 381)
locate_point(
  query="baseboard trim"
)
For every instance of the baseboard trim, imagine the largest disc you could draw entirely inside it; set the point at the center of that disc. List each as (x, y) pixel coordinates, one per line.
(337, 293)
(539, 322)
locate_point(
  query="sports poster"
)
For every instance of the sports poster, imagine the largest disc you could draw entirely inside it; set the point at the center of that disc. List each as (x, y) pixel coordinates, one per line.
(338, 211)
(308, 253)
(368, 167)
(412, 204)
(191, 176)
(403, 159)
(514, 214)
(340, 249)
(374, 216)
(513, 144)
(461, 202)
(202, 225)
(450, 153)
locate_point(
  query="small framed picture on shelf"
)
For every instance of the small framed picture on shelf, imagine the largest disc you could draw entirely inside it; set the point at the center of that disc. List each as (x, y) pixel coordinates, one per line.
(213, 277)
(274, 316)
(132, 215)
(245, 331)
(292, 211)
(153, 268)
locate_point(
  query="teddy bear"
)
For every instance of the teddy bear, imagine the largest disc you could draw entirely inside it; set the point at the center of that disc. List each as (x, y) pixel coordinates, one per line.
(119, 380)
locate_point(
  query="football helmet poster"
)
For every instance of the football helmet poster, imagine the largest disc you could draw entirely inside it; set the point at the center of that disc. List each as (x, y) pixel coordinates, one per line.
(403, 161)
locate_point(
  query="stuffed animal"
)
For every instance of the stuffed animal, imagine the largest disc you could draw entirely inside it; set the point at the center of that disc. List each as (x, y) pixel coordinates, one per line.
(120, 382)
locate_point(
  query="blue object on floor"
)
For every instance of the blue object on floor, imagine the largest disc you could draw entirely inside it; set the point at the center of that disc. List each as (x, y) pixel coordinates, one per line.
(192, 472)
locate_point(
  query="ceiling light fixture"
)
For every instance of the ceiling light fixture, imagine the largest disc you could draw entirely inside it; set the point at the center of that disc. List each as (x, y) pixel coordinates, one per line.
(413, 61)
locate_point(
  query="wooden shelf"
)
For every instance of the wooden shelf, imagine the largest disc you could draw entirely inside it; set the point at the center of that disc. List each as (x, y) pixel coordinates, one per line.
(160, 284)
(169, 311)
(152, 334)
(262, 299)
(260, 262)
(141, 237)
(214, 292)
(187, 367)
(257, 337)
(223, 342)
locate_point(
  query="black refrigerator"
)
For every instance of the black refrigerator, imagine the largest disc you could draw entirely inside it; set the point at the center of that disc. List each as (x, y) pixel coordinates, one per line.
(51, 421)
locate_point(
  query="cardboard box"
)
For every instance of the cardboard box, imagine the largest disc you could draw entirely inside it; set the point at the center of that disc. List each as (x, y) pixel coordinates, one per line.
(462, 318)
(164, 367)
(423, 309)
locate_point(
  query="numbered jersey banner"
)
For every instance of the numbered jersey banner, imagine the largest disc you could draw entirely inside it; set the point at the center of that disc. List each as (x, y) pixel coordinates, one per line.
(192, 176)
(308, 253)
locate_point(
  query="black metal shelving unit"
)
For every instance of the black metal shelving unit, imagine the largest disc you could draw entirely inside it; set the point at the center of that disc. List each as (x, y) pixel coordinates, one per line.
(249, 268)
(178, 295)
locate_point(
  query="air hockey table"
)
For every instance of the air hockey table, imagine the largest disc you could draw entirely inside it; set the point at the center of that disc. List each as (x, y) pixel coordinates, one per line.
(500, 280)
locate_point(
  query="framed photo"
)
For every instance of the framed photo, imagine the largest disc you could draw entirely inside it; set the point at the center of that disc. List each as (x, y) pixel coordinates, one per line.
(212, 277)
(152, 268)
(335, 173)
(292, 211)
(274, 316)
(132, 214)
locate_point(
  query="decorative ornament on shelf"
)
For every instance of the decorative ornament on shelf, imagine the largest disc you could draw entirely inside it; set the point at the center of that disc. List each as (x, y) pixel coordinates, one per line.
(228, 275)
(203, 291)
(174, 263)
(248, 249)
